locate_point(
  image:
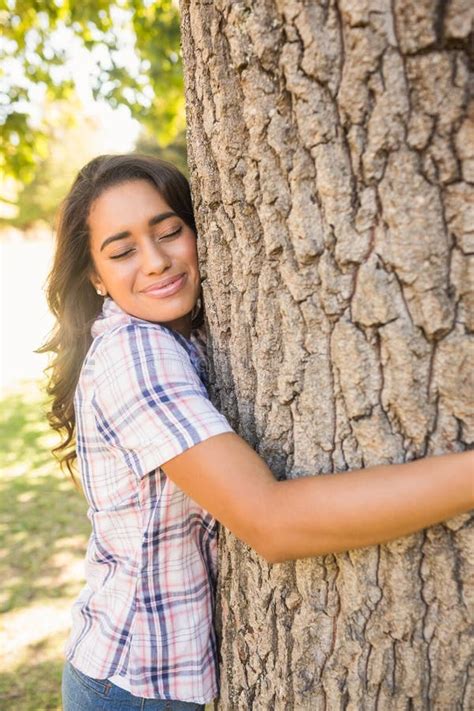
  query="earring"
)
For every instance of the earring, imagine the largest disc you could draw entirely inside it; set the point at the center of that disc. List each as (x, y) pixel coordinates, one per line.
(100, 292)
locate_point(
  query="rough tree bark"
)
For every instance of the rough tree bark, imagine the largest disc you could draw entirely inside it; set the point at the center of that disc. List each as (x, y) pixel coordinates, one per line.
(332, 160)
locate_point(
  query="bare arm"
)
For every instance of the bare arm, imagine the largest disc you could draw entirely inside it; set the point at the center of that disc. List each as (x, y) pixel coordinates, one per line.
(323, 514)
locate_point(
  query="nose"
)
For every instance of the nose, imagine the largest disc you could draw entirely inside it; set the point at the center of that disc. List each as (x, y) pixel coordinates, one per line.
(154, 258)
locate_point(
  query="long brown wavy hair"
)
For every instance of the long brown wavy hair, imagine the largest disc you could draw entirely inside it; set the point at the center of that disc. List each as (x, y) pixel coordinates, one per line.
(71, 297)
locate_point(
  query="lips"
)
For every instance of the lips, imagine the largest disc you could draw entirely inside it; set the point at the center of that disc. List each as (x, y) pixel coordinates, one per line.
(165, 287)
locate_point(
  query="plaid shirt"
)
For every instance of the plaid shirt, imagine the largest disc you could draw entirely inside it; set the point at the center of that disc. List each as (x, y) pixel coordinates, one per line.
(146, 612)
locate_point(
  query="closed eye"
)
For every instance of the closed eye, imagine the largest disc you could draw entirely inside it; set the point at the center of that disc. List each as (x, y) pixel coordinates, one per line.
(122, 254)
(172, 234)
(169, 235)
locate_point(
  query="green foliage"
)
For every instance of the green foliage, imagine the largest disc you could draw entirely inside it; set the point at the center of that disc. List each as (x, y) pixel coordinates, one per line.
(72, 142)
(156, 26)
(36, 41)
(174, 152)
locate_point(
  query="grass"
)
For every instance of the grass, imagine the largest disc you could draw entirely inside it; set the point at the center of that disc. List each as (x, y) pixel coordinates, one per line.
(43, 534)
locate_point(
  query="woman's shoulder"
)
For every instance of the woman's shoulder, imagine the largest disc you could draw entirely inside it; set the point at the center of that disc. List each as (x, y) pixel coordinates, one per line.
(141, 352)
(137, 340)
(114, 326)
(122, 343)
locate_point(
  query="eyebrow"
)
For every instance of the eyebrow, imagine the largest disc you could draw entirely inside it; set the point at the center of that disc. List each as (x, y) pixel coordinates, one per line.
(155, 220)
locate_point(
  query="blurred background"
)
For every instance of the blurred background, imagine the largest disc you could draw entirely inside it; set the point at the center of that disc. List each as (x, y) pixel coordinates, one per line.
(77, 79)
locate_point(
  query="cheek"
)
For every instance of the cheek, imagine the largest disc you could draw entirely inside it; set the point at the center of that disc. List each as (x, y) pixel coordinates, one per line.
(189, 252)
(117, 275)
(194, 258)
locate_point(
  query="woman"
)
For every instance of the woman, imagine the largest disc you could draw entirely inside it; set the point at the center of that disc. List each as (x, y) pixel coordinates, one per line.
(158, 463)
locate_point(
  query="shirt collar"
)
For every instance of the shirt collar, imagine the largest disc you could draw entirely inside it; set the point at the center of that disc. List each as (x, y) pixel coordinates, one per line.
(113, 316)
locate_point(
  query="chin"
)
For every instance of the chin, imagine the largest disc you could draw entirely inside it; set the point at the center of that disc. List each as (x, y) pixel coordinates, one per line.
(166, 316)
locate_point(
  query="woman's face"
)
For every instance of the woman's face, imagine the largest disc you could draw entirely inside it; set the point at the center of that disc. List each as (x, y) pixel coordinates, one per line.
(144, 255)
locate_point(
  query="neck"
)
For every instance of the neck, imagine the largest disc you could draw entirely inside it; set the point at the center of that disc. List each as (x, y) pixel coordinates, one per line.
(182, 325)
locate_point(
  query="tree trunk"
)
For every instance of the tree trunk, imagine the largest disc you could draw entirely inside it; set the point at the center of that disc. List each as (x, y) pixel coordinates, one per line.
(331, 157)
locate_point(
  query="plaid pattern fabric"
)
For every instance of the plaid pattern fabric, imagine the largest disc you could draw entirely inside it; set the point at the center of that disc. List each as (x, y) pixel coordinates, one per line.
(146, 612)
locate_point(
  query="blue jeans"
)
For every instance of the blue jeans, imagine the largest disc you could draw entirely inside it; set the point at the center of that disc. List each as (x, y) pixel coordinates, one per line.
(81, 693)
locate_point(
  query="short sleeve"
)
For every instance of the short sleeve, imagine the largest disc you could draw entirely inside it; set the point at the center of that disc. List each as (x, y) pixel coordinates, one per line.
(150, 404)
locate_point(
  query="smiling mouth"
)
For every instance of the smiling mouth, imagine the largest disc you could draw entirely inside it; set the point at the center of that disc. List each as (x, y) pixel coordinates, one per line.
(170, 286)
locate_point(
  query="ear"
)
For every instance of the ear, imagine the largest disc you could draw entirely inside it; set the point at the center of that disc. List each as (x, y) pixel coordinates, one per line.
(97, 283)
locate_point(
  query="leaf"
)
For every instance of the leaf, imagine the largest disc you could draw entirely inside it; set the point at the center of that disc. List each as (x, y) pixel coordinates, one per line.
(31, 56)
